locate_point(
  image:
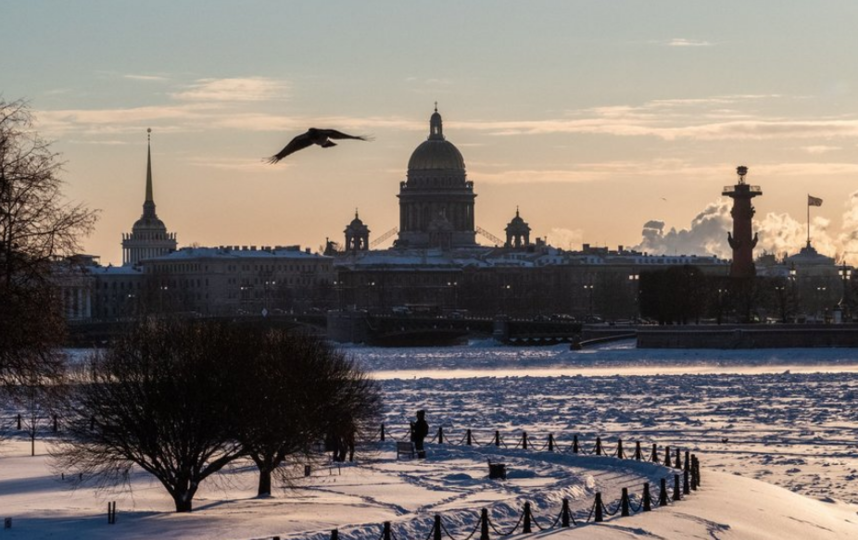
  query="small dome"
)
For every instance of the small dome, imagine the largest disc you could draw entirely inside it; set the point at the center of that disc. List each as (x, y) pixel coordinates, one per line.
(436, 153)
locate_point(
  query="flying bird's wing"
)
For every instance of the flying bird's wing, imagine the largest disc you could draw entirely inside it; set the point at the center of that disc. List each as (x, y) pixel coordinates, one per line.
(298, 143)
(334, 134)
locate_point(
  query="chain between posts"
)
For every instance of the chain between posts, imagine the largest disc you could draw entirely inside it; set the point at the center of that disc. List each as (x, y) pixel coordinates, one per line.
(686, 480)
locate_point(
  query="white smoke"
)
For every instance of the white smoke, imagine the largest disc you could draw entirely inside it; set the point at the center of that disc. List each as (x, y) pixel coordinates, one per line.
(568, 239)
(779, 234)
(707, 235)
(848, 237)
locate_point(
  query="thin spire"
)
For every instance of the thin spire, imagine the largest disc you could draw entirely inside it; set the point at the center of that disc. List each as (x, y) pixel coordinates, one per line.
(516, 211)
(356, 213)
(436, 106)
(149, 197)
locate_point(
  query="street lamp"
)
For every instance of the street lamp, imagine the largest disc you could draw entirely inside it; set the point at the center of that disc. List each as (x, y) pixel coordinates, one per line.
(820, 296)
(505, 296)
(845, 275)
(161, 297)
(781, 292)
(721, 293)
(453, 286)
(634, 280)
(589, 289)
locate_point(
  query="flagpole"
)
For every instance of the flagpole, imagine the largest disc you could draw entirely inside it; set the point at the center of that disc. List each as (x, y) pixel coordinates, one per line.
(808, 220)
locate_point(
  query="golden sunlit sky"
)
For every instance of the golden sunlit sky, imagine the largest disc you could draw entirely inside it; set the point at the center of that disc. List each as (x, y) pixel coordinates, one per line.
(594, 117)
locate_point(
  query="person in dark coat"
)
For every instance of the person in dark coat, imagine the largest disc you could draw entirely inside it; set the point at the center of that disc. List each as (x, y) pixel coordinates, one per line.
(419, 430)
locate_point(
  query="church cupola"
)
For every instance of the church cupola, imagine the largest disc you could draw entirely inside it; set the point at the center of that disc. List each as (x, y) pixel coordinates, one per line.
(517, 232)
(436, 129)
(357, 235)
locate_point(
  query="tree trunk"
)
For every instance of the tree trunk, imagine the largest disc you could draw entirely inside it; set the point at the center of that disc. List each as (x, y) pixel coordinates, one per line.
(183, 502)
(264, 482)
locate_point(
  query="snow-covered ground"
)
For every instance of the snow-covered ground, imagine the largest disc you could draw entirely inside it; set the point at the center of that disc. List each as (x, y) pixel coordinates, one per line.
(787, 418)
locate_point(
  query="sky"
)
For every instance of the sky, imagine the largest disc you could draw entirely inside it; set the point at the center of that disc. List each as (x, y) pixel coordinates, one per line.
(612, 122)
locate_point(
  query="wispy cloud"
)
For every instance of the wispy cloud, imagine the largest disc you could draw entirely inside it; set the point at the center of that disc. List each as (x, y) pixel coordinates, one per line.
(234, 89)
(683, 42)
(102, 121)
(153, 78)
(238, 164)
(820, 149)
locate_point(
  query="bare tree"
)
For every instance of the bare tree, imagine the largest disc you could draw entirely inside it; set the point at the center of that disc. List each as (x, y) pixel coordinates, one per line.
(295, 390)
(160, 399)
(181, 399)
(36, 228)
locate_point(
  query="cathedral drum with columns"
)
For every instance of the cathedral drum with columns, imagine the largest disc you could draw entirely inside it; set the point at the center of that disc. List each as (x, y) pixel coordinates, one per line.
(436, 202)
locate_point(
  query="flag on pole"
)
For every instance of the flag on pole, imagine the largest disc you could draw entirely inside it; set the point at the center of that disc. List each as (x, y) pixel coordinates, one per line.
(813, 201)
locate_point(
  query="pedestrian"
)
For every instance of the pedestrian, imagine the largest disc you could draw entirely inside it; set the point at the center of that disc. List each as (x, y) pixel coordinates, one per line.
(419, 430)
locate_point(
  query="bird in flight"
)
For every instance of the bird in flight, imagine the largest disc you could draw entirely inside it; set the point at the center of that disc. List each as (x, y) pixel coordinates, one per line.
(322, 137)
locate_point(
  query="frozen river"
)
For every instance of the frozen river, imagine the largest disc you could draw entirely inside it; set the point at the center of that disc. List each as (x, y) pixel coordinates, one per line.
(785, 416)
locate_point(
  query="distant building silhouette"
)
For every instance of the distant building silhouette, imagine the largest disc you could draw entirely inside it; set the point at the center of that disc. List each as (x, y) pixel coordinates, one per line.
(436, 202)
(517, 232)
(741, 240)
(149, 237)
(357, 235)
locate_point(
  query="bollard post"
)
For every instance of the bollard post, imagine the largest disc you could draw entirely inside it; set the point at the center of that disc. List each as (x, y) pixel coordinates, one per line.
(624, 502)
(687, 465)
(497, 438)
(667, 456)
(385, 533)
(524, 440)
(686, 485)
(308, 470)
(597, 513)
(55, 426)
(654, 457)
(676, 495)
(550, 442)
(662, 495)
(647, 498)
(19, 421)
(575, 443)
(693, 473)
(678, 463)
(436, 531)
(598, 446)
(526, 529)
(638, 451)
(335, 535)
(484, 525)
(564, 514)
(469, 438)
(440, 434)
(382, 436)
(620, 454)
(92, 423)
(695, 467)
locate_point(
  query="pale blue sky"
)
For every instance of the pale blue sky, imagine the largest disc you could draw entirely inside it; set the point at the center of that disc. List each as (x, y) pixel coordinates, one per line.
(586, 114)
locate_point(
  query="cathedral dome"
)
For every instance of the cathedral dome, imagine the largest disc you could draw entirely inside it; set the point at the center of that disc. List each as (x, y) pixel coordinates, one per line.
(436, 153)
(148, 223)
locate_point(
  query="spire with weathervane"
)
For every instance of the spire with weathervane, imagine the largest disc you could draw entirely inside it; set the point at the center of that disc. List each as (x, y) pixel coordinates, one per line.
(149, 237)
